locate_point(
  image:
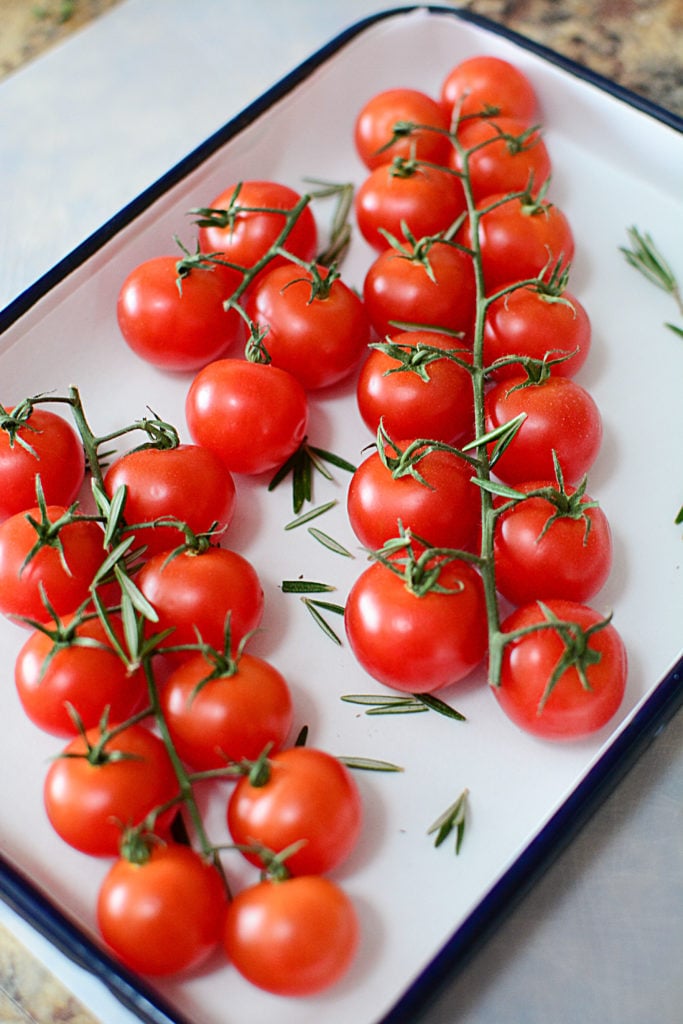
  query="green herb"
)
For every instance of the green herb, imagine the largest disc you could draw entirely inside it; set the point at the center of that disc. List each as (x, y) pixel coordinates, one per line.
(321, 621)
(311, 514)
(645, 257)
(415, 703)
(452, 818)
(305, 587)
(370, 764)
(301, 465)
(329, 542)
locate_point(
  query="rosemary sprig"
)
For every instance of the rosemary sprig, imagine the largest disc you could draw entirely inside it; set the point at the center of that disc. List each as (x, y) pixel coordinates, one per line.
(645, 257)
(301, 465)
(454, 817)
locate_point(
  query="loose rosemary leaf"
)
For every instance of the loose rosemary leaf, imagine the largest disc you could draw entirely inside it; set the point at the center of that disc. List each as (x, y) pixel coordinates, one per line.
(311, 514)
(322, 622)
(305, 587)
(329, 542)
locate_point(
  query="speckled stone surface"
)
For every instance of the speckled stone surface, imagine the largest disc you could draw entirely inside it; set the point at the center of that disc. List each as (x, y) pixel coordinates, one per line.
(637, 43)
(29, 27)
(29, 994)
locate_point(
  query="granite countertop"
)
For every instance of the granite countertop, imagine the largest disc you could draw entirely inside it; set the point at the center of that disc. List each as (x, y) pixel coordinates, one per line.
(29, 29)
(632, 42)
(29, 993)
(636, 43)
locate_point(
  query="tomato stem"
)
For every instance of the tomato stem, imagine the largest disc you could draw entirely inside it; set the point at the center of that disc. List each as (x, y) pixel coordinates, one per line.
(478, 376)
(184, 780)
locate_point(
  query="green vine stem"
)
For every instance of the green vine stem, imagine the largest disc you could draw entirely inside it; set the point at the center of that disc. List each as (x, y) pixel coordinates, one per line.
(211, 217)
(487, 446)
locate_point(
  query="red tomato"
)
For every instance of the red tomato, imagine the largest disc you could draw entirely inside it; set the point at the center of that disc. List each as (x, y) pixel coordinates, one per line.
(232, 716)
(78, 667)
(188, 483)
(445, 511)
(561, 416)
(415, 643)
(318, 336)
(196, 591)
(262, 207)
(400, 289)
(394, 197)
(308, 795)
(527, 322)
(165, 915)
(416, 397)
(64, 574)
(177, 328)
(89, 801)
(541, 553)
(374, 128)
(252, 415)
(293, 937)
(570, 710)
(504, 157)
(488, 84)
(44, 444)
(518, 239)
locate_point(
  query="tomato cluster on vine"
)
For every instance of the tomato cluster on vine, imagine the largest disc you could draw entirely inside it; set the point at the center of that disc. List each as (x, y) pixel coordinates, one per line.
(463, 345)
(475, 501)
(137, 618)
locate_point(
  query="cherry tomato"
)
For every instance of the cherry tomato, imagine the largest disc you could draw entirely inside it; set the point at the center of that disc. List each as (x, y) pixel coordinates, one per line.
(37, 443)
(177, 327)
(188, 483)
(416, 397)
(317, 335)
(165, 915)
(417, 643)
(445, 510)
(408, 195)
(505, 157)
(541, 553)
(90, 800)
(527, 322)
(569, 710)
(307, 795)
(252, 415)
(77, 667)
(433, 286)
(374, 128)
(488, 84)
(561, 416)
(227, 716)
(293, 937)
(64, 567)
(519, 238)
(247, 236)
(194, 591)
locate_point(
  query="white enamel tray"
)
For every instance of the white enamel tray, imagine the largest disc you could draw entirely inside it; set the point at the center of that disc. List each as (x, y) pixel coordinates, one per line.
(617, 163)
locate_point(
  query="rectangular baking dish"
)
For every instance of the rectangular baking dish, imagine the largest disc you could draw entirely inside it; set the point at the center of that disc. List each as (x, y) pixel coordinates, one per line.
(616, 162)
